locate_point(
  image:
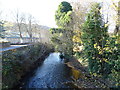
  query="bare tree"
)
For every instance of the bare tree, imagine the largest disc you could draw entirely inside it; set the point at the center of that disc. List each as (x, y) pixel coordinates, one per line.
(19, 19)
(38, 32)
(30, 26)
(78, 15)
(117, 29)
(116, 7)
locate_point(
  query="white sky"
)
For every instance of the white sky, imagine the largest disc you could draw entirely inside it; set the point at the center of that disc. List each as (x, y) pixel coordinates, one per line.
(42, 10)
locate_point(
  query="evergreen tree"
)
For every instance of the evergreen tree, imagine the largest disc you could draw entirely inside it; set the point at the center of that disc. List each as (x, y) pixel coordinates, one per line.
(62, 15)
(94, 37)
(101, 51)
(62, 36)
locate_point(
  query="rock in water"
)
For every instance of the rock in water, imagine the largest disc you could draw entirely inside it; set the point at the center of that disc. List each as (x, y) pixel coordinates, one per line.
(61, 56)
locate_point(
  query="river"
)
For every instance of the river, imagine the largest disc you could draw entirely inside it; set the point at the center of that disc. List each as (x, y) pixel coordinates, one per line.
(53, 73)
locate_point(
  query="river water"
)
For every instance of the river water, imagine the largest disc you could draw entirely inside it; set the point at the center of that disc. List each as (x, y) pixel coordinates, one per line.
(53, 73)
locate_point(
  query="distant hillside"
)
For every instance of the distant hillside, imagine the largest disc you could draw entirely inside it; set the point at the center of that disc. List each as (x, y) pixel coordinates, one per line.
(12, 30)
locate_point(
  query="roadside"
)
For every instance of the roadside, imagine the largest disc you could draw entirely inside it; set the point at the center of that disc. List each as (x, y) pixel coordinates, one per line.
(13, 47)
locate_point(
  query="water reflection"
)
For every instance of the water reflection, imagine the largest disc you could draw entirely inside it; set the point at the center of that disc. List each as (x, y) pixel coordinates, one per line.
(51, 74)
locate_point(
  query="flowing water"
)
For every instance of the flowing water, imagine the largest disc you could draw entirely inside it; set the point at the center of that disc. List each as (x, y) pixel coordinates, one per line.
(53, 73)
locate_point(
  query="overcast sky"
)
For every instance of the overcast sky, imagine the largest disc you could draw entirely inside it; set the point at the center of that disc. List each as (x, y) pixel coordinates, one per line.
(42, 10)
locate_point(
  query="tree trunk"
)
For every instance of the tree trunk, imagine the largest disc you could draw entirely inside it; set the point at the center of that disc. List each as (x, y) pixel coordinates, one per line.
(117, 28)
(20, 33)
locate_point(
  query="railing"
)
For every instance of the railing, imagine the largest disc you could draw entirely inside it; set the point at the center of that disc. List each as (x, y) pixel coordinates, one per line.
(23, 40)
(14, 40)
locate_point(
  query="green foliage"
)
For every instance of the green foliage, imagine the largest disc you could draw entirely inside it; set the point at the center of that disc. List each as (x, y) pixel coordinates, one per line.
(62, 36)
(57, 30)
(64, 7)
(63, 14)
(62, 40)
(113, 54)
(101, 51)
(94, 36)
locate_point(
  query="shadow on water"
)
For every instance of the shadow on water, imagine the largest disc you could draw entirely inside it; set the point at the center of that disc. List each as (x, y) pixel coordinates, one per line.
(53, 73)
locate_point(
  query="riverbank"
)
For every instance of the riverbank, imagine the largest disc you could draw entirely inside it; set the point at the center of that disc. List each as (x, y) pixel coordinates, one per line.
(52, 73)
(18, 62)
(82, 78)
(33, 67)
